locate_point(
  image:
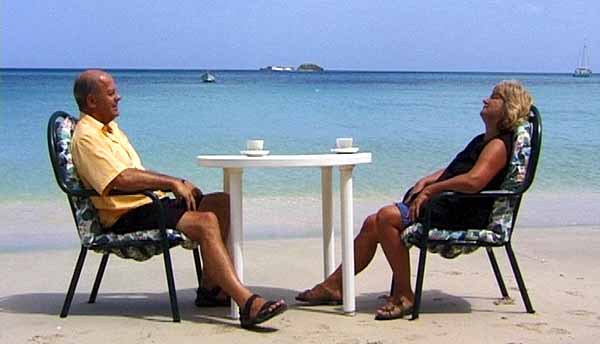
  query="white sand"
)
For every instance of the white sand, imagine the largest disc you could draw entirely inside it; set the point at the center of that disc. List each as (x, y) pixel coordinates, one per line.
(560, 266)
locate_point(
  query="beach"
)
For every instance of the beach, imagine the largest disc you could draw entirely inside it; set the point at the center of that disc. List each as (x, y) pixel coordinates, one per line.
(408, 121)
(461, 301)
(412, 84)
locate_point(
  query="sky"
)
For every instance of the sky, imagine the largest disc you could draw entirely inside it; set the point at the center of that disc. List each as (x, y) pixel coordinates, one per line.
(395, 35)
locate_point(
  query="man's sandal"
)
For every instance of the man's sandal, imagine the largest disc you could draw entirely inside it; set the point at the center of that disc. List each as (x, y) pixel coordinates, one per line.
(208, 298)
(265, 313)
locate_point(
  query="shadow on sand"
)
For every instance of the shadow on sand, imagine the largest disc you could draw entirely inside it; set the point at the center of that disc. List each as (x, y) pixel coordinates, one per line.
(138, 305)
(156, 307)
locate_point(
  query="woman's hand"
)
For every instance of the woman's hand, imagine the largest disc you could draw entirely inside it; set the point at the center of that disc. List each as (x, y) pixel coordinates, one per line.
(414, 190)
(421, 200)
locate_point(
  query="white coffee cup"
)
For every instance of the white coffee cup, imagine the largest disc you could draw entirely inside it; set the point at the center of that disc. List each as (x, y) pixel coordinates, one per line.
(255, 144)
(343, 142)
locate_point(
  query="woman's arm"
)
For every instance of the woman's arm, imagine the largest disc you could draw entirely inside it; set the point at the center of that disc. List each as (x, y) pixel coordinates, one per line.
(491, 161)
(430, 179)
(423, 182)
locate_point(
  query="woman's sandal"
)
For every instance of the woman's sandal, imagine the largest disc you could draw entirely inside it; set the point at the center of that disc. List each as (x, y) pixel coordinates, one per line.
(208, 298)
(265, 313)
(311, 299)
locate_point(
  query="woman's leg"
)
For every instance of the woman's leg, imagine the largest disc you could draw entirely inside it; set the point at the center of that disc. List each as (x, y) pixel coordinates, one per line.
(365, 245)
(390, 225)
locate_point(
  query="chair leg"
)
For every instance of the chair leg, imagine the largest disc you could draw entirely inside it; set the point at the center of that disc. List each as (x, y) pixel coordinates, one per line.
(78, 266)
(497, 272)
(98, 278)
(519, 277)
(419, 286)
(198, 264)
(171, 285)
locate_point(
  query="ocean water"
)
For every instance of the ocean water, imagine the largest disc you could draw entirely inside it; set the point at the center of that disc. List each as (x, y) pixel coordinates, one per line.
(413, 123)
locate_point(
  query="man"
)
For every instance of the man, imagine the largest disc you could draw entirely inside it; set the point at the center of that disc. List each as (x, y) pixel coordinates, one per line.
(106, 161)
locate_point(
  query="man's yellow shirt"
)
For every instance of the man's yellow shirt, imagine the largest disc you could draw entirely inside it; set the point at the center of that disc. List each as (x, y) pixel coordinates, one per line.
(100, 153)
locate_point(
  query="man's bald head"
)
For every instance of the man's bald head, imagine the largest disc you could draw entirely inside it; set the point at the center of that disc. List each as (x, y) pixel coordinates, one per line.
(87, 83)
(97, 95)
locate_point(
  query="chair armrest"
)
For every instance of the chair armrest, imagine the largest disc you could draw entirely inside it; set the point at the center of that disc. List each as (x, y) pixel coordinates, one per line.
(148, 193)
(482, 194)
(92, 192)
(82, 193)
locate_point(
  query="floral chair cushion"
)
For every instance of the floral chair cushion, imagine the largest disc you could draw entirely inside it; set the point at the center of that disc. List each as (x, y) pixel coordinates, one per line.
(498, 230)
(140, 245)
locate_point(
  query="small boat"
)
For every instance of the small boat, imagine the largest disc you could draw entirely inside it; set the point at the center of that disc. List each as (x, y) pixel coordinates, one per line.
(583, 70)
(207, 77)
(278, 68)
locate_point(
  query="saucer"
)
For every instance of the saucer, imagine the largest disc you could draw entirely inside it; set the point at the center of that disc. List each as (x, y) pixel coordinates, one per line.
(345, 150)
(255, 152)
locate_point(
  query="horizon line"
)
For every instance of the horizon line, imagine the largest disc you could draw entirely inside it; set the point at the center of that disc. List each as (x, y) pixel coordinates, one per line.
(276, 72)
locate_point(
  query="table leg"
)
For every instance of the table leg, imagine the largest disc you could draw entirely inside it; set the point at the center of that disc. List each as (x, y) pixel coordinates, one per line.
(233, 179)
(226, 173)
(347, 239)
(327, 216)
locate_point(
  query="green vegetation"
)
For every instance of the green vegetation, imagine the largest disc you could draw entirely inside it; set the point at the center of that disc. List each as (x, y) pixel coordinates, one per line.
(309, 67)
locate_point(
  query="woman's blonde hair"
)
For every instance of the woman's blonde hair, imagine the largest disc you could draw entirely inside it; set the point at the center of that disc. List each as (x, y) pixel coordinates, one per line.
(517, 104)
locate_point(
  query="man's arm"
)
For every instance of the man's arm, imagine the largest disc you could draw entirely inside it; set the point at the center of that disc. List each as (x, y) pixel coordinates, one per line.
(132, 179)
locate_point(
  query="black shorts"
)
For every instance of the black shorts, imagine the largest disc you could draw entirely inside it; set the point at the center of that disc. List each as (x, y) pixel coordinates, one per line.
(146, 216)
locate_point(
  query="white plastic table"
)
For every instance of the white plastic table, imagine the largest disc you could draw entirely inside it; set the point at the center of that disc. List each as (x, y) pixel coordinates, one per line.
(233, 167)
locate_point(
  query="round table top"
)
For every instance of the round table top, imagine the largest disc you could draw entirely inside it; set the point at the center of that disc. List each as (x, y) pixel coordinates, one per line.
(308, 160)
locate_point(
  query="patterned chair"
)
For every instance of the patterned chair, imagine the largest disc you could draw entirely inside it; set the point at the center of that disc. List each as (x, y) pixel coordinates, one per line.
(139, 246)
(450, 244)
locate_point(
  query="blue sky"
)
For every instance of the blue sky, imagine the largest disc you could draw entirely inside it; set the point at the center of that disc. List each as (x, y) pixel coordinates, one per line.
(437, 35)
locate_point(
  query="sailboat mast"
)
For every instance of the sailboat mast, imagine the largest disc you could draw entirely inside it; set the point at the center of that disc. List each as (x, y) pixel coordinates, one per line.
(583, 70)
(586, 57)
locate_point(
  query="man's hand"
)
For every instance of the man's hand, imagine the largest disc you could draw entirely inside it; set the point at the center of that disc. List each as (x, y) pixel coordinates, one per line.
(188, 192)
(197, 193)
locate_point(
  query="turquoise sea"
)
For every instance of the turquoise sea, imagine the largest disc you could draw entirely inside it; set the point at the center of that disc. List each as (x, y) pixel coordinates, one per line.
(412, 122)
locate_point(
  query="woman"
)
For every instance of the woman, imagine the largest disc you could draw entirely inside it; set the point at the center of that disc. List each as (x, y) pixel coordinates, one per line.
(480, 166)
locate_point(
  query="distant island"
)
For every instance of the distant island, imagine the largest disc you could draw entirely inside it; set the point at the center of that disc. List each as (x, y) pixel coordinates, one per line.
(305, 67)
(309, 67)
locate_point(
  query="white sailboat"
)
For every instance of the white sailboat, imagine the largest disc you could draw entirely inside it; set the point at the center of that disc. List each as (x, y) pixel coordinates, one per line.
(583, 70)
(208, 77)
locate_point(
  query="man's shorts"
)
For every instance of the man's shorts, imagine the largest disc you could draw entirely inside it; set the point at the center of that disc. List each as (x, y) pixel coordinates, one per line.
(146, 217)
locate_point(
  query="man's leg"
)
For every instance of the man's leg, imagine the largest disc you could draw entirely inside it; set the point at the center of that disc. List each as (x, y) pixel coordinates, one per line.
(217, 203)
(203, 227)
